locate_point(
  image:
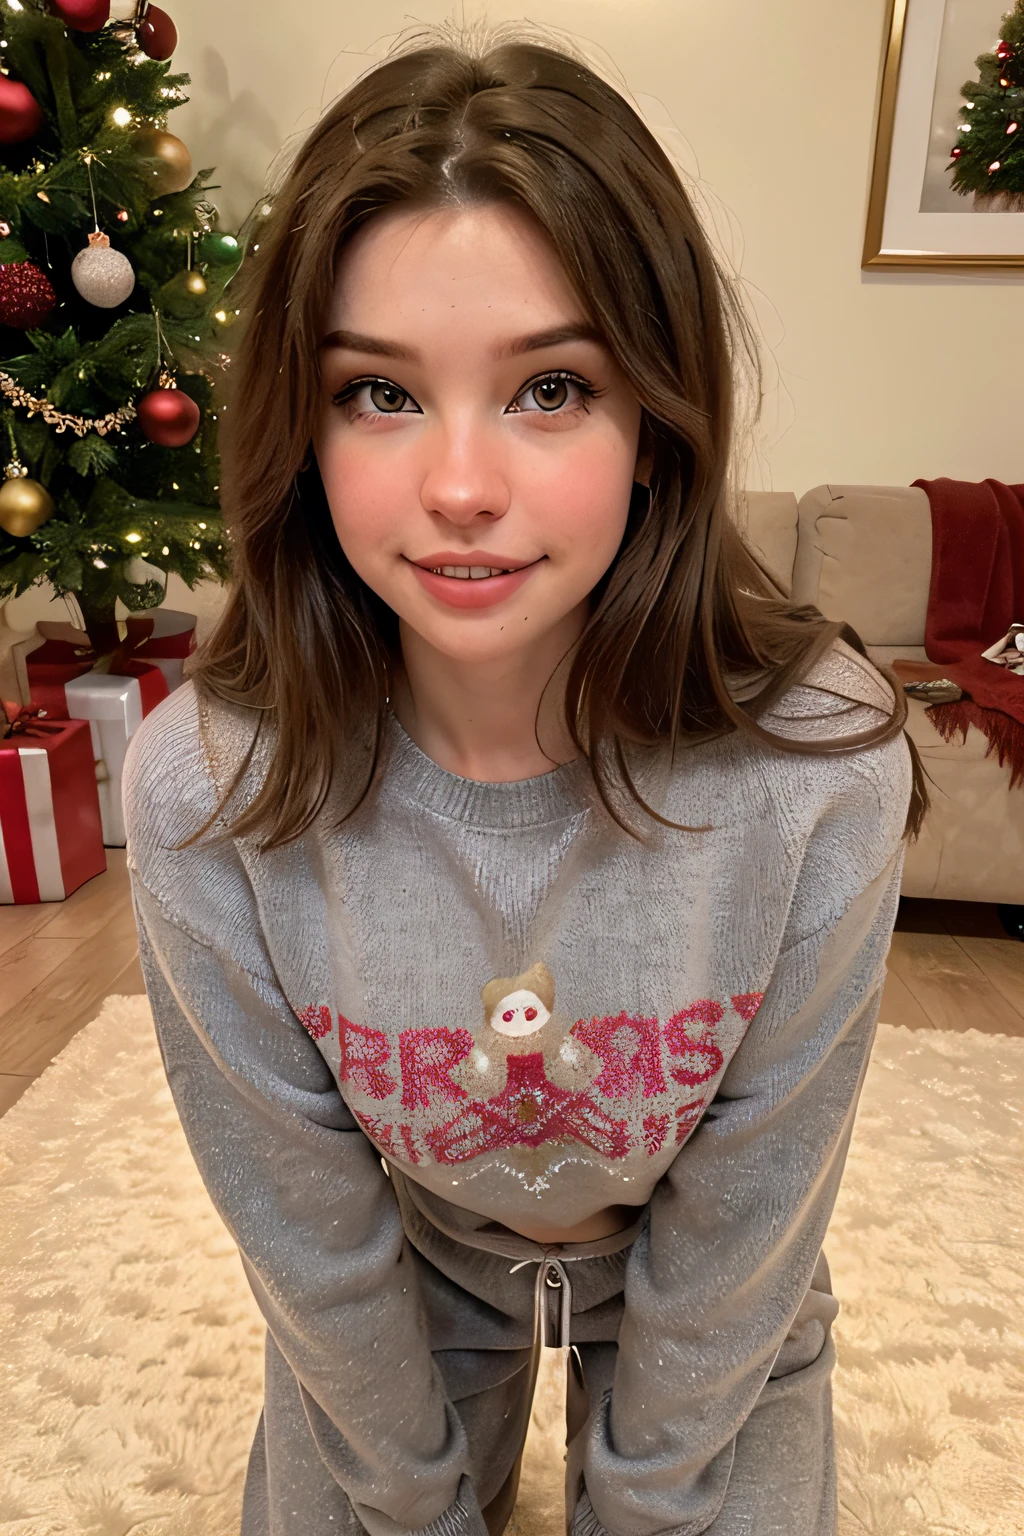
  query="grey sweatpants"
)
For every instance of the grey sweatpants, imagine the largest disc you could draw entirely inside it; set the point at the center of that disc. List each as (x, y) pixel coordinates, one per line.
(481, 1321)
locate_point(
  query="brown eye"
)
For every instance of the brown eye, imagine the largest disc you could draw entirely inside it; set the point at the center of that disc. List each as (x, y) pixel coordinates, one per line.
(550, 394)
(387, 397)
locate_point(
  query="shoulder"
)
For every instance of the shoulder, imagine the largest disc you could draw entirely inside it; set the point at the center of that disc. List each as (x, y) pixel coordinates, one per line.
(838, 787)
(173, 781)
(841, 695)
(187, 748)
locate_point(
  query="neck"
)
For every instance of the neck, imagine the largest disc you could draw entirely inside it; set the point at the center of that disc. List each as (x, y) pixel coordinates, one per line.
(495, 721)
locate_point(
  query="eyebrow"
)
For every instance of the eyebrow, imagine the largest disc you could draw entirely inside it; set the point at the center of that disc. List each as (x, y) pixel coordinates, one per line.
(379, 346)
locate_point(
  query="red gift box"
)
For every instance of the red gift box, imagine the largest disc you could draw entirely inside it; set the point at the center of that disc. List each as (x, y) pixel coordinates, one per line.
(51, 840)
(152, 649)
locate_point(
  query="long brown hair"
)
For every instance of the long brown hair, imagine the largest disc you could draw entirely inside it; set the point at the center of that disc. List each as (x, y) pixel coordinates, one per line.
(685, 606)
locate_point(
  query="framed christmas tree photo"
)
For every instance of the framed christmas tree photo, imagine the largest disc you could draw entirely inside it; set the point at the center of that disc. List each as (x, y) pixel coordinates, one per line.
(947, 185)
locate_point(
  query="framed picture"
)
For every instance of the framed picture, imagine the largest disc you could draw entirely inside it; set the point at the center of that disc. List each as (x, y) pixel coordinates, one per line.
(947, 187)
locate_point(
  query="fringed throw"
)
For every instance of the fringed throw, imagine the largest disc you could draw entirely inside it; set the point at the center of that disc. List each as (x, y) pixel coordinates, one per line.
(1005, 734)
(976, 593)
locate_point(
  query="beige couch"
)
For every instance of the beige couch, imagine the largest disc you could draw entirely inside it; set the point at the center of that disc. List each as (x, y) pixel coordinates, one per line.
(862, 553)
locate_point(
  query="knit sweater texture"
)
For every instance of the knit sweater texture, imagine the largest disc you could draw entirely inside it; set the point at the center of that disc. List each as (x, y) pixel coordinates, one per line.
(535, 1016)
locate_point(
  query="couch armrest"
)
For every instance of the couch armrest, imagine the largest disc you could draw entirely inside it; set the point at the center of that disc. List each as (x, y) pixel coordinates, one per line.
(864, 555)
(768, 522)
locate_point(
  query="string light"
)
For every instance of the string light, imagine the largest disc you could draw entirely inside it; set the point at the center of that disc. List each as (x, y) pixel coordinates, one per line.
(122, 117)
(994, 166)
(133, 538)
(100, 565)
(165, 550)
(965, 127)
(1012, 128)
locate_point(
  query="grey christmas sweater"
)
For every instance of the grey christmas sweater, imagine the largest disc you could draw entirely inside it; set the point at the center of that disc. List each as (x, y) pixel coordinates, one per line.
(535, 1016)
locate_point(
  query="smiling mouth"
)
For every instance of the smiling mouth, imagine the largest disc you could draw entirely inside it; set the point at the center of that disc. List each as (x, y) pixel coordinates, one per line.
(469, 572)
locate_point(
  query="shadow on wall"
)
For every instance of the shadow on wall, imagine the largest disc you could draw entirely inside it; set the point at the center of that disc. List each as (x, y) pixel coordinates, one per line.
(236, 134)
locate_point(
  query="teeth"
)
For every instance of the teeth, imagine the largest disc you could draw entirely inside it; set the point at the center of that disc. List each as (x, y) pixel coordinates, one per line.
(468, 572)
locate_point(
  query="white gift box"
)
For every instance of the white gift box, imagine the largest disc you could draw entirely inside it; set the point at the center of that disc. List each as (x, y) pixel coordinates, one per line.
(113, 707)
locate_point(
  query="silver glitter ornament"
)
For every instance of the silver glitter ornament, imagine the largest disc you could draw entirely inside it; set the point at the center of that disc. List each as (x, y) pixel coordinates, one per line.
(103, 276)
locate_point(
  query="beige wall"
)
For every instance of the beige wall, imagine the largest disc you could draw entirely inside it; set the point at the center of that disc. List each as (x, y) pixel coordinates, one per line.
(882, 377)
(874, 379)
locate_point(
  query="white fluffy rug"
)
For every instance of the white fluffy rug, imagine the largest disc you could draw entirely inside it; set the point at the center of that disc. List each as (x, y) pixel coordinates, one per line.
(131, 1351)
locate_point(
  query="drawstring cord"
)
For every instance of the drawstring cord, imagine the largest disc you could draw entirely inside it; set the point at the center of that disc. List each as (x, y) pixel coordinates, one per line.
(551, 1275)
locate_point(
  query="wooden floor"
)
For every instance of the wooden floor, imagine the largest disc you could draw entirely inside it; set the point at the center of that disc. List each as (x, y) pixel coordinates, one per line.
(951, 966)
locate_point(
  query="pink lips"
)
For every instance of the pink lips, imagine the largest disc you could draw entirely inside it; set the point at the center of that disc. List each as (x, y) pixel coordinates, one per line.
(478, 592)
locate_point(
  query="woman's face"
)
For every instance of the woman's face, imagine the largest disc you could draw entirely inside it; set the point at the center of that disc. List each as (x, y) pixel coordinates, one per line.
(477, 441)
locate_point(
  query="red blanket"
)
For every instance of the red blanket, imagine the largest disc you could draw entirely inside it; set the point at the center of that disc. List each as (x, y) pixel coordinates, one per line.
(976, 593)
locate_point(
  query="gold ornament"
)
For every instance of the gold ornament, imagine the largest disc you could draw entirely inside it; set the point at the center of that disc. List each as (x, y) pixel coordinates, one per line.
(175, 170)
(25, 505)
(195, 282)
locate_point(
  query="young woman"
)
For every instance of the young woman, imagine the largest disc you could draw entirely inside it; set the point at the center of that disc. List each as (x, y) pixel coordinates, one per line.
(514, 875)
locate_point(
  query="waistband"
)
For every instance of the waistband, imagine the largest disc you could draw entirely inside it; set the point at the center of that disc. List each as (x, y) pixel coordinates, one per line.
(553, 1288)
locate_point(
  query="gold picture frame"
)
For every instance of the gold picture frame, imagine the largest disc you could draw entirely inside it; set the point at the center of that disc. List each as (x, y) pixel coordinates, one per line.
(900, 235)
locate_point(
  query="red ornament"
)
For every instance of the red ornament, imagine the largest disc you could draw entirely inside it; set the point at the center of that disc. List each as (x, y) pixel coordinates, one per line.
(26, 295)
(20, 114)
(158, 36)
(955, 154)
(82, 15)
(1003, 52)
(168, 417)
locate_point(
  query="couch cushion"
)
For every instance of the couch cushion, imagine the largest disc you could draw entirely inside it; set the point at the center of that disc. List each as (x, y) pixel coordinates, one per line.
(767, 520)
(864, 555)
(972, 844)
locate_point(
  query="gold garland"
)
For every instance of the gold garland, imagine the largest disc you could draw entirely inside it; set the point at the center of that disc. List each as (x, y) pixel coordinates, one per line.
(113, 421)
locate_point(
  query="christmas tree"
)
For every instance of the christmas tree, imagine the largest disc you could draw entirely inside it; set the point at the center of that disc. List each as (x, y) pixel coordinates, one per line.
(112, 301)
(988, 157)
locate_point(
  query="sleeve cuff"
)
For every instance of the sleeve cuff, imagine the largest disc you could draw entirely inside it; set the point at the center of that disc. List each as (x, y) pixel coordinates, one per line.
(584, 1522)
(461, 1518)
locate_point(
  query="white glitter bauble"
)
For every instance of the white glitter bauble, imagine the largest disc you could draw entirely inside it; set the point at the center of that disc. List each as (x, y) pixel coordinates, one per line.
(102, 276)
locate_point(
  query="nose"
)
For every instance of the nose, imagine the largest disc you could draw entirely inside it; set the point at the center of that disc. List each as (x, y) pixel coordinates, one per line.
(462, 481)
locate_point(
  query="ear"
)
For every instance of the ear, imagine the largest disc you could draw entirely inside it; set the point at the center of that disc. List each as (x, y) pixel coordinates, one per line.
(539, 980)
(492, 992)
(644, 454)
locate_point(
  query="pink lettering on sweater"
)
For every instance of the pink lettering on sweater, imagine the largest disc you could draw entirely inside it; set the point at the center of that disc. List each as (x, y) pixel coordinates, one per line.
(426, 1057)
(630, 1050)
(632, 1058)
(316, 1020)
(363, 1055)
(702, 1056)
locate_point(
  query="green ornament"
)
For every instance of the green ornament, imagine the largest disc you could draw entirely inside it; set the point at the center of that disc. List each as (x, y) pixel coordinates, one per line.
(220, 250)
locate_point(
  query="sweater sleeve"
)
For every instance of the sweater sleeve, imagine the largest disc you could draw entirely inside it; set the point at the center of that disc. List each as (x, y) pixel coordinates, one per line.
(714, 1283)
(299, 1186)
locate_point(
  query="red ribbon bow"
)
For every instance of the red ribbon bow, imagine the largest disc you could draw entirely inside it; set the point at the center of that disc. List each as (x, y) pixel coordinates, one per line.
(109, 640)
